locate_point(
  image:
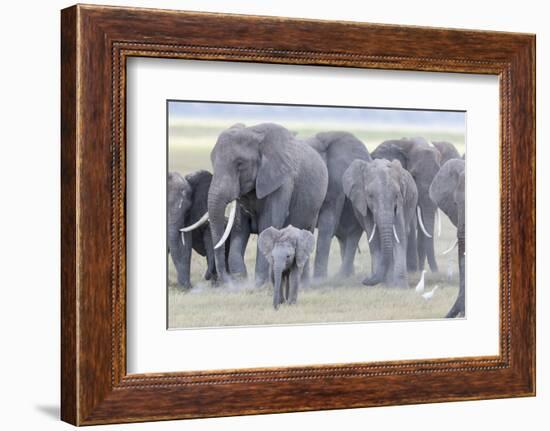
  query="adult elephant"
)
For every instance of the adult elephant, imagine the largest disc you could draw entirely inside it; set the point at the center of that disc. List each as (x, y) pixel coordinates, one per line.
(277, 180)
(187, 203)
(336, 217)
(448, 191)
(384, 199)
(422, 160)
(447, 150)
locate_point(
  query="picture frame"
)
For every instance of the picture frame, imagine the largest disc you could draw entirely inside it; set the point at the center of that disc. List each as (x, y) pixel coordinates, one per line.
(96, 42)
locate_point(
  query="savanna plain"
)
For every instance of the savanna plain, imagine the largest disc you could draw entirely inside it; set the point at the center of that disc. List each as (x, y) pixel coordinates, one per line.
(333, 300)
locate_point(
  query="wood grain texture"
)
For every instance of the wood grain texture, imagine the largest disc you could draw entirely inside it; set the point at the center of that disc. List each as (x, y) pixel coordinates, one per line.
(96, 41)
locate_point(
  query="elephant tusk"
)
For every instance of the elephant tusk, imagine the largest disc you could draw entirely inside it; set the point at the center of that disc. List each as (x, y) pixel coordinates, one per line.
(372, 234)
(182, 238)
(229, 225)
(395, 234)
(197, 224)
(438, 222)
(451, 247)
(419, 212)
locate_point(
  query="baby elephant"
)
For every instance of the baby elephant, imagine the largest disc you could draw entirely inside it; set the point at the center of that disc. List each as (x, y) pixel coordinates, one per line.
(287, 251)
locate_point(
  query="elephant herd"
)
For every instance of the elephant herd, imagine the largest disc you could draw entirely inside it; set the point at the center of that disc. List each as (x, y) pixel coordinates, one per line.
(282, 188)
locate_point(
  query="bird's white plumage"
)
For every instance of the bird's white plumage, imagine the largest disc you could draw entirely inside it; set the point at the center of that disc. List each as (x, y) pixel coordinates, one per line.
(420, 286)
(429, 295)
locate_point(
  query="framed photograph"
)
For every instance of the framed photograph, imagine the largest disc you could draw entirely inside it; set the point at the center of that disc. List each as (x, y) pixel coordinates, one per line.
(317, 215)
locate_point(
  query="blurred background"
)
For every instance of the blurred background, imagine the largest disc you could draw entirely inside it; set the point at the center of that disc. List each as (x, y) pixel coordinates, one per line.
(193, 127)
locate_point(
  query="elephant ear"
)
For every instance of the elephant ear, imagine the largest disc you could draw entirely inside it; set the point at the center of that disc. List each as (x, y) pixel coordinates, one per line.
(266, 240)
(354, 186)
(304, 247)
(394, 150)
(179, 190)
(200, 184)
(443, 187)
(277, 158)
(401, 176)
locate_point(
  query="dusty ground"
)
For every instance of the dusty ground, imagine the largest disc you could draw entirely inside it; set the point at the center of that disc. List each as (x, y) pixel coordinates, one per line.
(332, 301)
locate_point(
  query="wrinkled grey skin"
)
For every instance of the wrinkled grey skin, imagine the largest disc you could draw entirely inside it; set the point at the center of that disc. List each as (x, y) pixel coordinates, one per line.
(277, 179)
(422, 160)
(336, 217)
(447, 190)
(287, 251)
(187, 202)
(384, 193)
(447, 150)
(245, 225)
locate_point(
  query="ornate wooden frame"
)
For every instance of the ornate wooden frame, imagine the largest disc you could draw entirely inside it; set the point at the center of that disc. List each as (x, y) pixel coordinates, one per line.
(95, 43)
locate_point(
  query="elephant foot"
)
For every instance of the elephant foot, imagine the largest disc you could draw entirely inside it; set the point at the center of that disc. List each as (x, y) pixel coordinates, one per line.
(371, 281)
(259, 282)
(221, 279)
(412, 268)
(433, 267)
(184, 285)
(457, 310)
(240, 276)
(320, 275)
(345, 273)
(401, 285)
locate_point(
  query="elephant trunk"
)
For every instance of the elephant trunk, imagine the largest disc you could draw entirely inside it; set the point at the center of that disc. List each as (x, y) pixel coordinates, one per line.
(426, 221)
(387, 238)
(386, 234)
(459, 307)
(278, 298)
(217, 201)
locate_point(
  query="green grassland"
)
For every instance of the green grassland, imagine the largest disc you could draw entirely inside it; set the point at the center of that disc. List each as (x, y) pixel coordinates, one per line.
(334, 300)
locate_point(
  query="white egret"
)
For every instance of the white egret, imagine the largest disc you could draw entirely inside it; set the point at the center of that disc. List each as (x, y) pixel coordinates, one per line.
(428, 295)
(420, 286)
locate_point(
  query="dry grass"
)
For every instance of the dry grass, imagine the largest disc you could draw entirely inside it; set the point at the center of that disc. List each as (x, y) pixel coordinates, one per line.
(211, 307)
(332, 301)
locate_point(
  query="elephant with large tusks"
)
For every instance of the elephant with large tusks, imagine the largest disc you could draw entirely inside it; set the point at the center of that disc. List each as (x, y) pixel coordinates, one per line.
(287, 251)
(384, 198)
(187, 227)
(276, 179)
(422, 161)
(448, 191)
(336, 218)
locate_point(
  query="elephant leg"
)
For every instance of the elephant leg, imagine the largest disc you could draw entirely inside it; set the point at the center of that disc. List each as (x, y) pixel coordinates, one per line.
(342, 244)
(430, 254)
(221, 265)
(351, 244)
(261, 270)
(459, 307)
(306, 274)
(421, 248)
(412, 260)
(237, 249)
(326, 228)
(286, 288)
(400, 264)
(210, 260)
(294, 282)
(181, 256)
